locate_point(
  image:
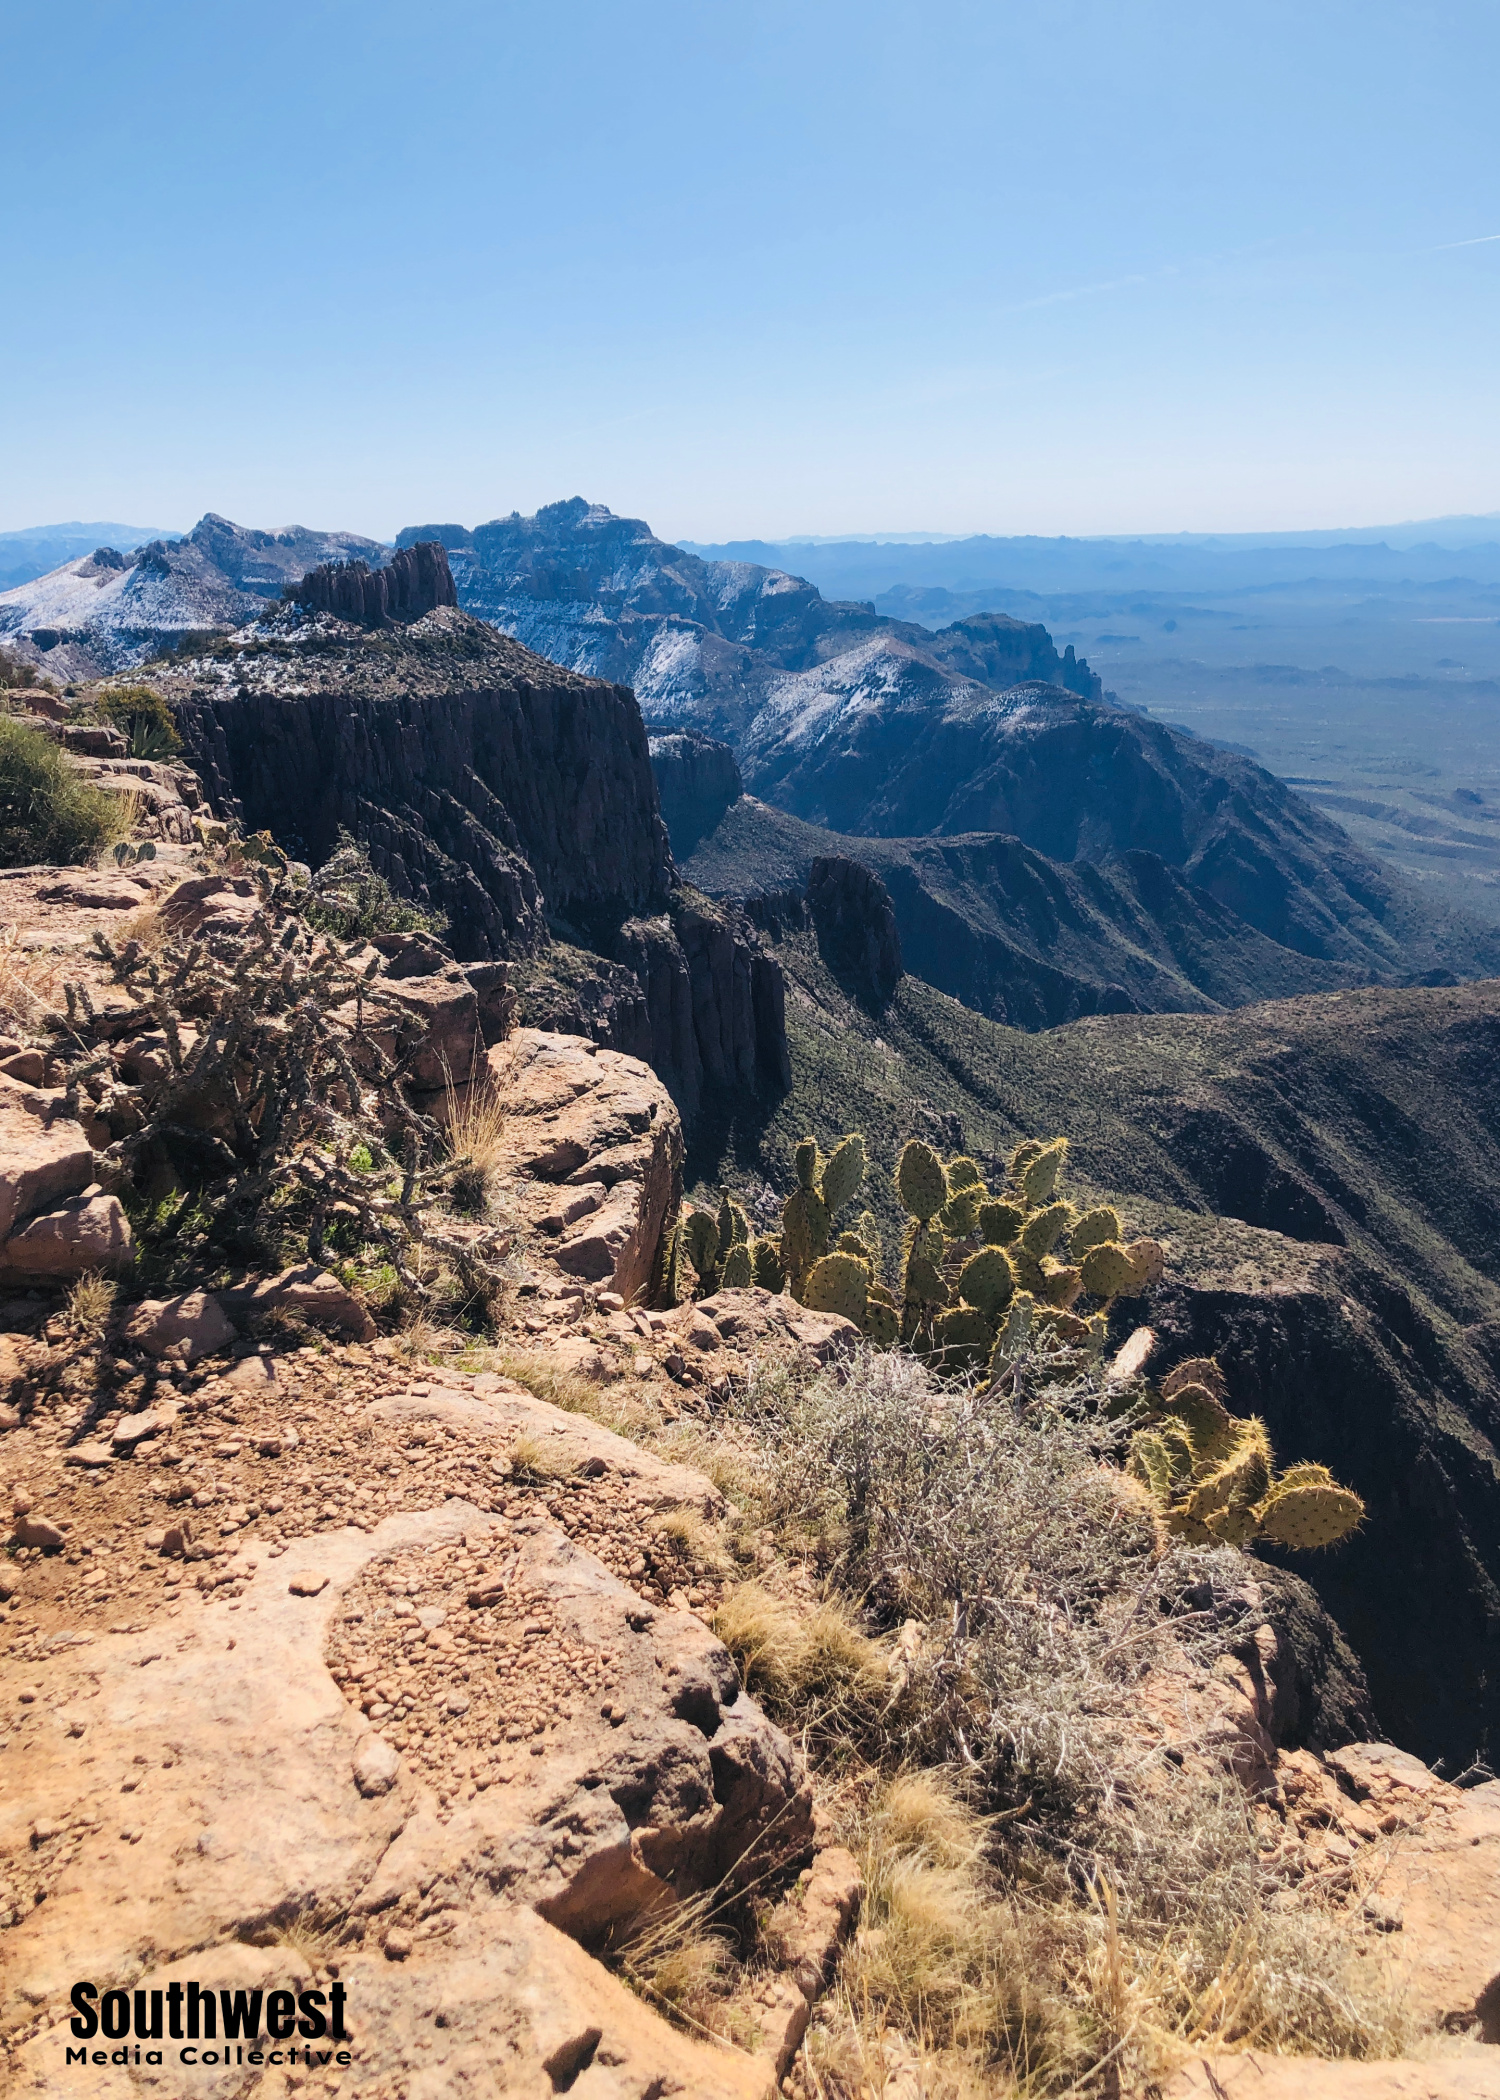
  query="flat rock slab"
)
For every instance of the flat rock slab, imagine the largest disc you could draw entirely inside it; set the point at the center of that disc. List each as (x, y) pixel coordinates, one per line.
(197, 1783)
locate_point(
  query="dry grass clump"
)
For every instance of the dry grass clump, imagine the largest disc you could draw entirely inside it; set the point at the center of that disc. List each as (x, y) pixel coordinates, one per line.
(31, 983)
(533, 1461)
(814, 1667)
(474, 1128)
(1051, 1903)
(676, 1959)
(569, 1390)
(90, 1306)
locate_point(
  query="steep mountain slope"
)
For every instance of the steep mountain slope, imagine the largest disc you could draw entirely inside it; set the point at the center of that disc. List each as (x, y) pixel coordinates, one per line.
(1025, 940)
(1323, 1172)
(111, 610)
(1084, 780)
(37, 549)
(698, 641)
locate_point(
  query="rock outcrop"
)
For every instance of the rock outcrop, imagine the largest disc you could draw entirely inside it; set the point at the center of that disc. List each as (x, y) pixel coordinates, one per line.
(516, 799)
(697, 780)
(856, 928)
(416, 581)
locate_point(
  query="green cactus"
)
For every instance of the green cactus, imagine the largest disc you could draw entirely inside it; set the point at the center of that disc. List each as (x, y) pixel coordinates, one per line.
(128, 852)
(964, 1174)
(1021, 1159)
(1044, 1228)
(1093, 1229)
(735, 1272)
(1150, 1462)
(804, 1233)
(733, 1225)
(1016, 1331)
(701, 1239)
(964, 1337)
(807, 1163)
(1239, 1479)
(922, 1278)
(988, 1282)
(1000, 1223)
(1061, 1284)
(920, 1181)
(839, 1284)
(1107, 1270)
(1205, 1420)
(1310, 1514)
(1038, 1181)
(1179, 1449)
(766, 1265)
(882, 1323)
(671, 1282)
(843, 1171)
(959, 1216)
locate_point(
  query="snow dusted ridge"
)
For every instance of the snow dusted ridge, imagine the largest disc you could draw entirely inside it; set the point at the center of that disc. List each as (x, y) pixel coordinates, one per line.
(112, 610)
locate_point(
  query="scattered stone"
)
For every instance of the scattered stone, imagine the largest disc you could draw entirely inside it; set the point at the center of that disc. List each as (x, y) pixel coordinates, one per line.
(308, 1584)
(376, 1765)
(196, 1319)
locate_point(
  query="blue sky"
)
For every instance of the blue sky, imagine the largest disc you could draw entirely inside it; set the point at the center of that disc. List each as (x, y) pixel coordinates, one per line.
(806, 266)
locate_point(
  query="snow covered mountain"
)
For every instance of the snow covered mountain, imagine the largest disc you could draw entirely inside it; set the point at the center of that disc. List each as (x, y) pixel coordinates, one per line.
(711, 645)
(111, 610)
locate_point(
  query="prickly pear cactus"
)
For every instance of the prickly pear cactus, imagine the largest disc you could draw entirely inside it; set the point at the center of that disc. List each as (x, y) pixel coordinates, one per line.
(1093, 1229)
(1310, 1514)
(1204, 1419)
(804, 1232)
(920, 1181)
(1038, 1180)
(1107, 1270)
(839, 1284)
(1150, 1463)
(1000, 1223)
(959, 1216)
(1045, 1227)
(1061, 1284)
(701, 1239)
(843, 1171)
(964, 1336)
(766, 1265)
(735, 1273)
(1148, 1262)
(988, 1282)
(807, 1163)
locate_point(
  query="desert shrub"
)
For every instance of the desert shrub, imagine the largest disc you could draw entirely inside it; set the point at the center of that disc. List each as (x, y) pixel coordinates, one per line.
(351, 899)
(47, 813)
(1047, 1890)
(143, 716)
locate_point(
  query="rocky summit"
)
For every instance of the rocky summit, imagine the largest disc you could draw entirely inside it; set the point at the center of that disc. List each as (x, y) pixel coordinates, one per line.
(661, 1439)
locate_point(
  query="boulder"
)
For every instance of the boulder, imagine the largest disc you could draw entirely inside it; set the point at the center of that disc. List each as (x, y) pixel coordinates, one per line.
(88, 1232)
(309, 1292)
(592, 1120)
(44, 1157)
(197, 1320)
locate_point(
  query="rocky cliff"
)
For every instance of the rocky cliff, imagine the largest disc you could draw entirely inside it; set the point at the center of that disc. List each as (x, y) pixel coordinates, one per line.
(513, 797)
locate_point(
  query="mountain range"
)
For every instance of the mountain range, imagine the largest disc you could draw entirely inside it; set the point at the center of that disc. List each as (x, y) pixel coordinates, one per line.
(1049, 851)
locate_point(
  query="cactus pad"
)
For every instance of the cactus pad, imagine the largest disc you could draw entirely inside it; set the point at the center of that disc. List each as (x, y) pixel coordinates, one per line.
(1150, 1463)
(765, 1265)
(806, 1160)
(1310, 1516)
(999, 1223)
(701, 1239)
(843, 1171)
(1039, 1181)
(1045, 1227)
(1107, 1270)
(1093, 1229)
(1148, 1263)
(839, 1284)
(988, 1282)
(1203, 1418)
(960, 1214)
(735, 1273)
(964, 1336)
(964, 1174)
(1060, 1284)
(920, 1181)
(882, 1324)
(1198, 1370)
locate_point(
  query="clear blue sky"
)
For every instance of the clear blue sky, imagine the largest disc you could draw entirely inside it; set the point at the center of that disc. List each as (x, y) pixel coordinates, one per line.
(1067, 265)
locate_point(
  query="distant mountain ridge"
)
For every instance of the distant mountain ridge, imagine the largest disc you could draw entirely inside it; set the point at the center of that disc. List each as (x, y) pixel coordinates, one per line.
(708, 645)
(37, 549)
(112, 609)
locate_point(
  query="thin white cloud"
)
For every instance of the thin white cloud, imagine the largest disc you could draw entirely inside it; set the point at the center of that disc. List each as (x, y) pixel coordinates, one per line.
(1480, 240)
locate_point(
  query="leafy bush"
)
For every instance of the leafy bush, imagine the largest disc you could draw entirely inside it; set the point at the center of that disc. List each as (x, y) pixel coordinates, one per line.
(144, 717)
(46, 812)
(352, 900)
(16, 672)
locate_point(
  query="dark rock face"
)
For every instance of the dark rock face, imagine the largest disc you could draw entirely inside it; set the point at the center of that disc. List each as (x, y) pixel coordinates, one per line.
(856, 928)
(1322, 1697)
(697, 780)
(417, 581)
(514, 797)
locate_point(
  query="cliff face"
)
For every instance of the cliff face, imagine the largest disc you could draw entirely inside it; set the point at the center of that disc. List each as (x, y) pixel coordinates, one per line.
(515, 797)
